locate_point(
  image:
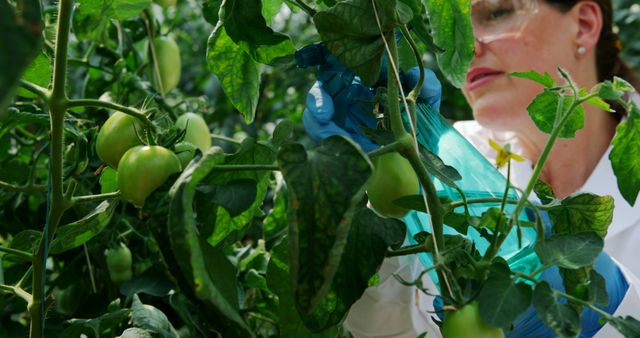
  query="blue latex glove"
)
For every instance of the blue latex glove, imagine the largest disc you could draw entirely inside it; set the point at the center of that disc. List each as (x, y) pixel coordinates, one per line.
(339, 104)
(529, 324)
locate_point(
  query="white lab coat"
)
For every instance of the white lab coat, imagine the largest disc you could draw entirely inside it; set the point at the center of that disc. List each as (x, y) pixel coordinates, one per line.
(395, 310)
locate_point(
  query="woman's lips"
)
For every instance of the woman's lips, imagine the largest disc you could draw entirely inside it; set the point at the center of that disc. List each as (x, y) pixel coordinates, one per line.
(478, 77)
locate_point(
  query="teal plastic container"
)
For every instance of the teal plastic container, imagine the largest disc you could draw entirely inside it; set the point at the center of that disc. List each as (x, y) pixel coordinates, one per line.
(479, 180)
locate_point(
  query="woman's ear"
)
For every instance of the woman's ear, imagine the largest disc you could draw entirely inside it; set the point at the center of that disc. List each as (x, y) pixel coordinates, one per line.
(588, 16)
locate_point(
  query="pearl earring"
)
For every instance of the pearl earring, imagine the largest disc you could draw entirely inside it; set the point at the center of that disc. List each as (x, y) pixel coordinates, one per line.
(581, 50)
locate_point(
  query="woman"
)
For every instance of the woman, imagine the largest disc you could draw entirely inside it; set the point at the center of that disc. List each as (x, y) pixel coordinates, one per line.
(512, 36)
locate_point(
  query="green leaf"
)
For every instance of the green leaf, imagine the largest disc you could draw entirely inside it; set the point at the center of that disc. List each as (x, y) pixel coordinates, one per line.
(599, 103)
(628, 326)
(200, 263)
(351, 32)
(39, 72)
(613, 91)
(114, 9)
(277, 219)
(625, 156)
(583, 212)
(544, 192)
(20, 43)
(245, 25)
(561, 318)
(151, 319)
(108, 180)
(570, 251)
(282, 132)
(543, 79)
(325, 185)
(95, 326)
(597, 289)
(27, 241)
(247, 202)
(235, 196)
(436, 167)
(152, 282)
(79, 232)
(451, 30)
(501, 300)
(543, 112)
(238, 73)
(278, 280)
(210, 9)
(134, 332)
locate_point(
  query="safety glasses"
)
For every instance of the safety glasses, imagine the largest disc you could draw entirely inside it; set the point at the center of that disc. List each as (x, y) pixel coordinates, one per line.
(497, 19)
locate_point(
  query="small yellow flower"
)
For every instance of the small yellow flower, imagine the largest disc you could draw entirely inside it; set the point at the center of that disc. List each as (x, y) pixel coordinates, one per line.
(504, 154)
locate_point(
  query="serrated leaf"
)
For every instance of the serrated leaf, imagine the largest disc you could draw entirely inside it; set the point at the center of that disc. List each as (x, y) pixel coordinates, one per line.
(19, 44)
(245, 25)
(74, 234)
(451, 30)
(583, 212)
(625, 156)
(238, 73)
(325, 184)
(561, 318)
(151, 319)
(544, 79)
(571, 251)
(351, 32)
(544, 192)
(543, 112)
(501, 300)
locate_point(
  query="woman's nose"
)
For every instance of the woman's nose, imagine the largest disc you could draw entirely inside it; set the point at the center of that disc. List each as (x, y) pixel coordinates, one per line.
(478, 47)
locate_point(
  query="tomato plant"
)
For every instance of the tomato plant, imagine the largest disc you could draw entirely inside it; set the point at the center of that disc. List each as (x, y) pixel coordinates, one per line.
(392, 178)
(197, 131)
(143, 169)
(118, 134)
(119, 263)
(168, 58)
(466, 322)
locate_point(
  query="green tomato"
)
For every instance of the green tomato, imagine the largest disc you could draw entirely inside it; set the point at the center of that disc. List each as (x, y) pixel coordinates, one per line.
(68, 299)
(119, 264)
(185, 152)
(392, 178)
(466, 323)
(168, 58)
(116, 136)
(197, 132)
(166, 4)
(144, 169)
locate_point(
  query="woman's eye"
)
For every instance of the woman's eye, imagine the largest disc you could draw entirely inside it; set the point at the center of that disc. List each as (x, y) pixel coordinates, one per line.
(499, 13)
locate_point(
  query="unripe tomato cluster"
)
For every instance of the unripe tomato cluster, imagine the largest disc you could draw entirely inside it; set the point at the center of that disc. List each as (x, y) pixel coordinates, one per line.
(466, 322)
(144, 168)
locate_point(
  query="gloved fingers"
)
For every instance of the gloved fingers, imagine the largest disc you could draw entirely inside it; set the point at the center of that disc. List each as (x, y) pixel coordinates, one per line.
(431, 90)
(320, 104)
(319, 131)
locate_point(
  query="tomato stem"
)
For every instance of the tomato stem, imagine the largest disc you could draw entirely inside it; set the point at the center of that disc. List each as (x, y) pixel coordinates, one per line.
(95, 198)
(110, 105)
(43, 93)
(17, 253)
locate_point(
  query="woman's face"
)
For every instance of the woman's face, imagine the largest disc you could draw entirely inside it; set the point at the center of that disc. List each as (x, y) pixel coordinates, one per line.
(541, 41)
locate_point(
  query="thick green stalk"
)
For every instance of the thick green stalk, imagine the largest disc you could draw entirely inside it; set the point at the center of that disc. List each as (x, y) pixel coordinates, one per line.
(110, 105)
(56, 200)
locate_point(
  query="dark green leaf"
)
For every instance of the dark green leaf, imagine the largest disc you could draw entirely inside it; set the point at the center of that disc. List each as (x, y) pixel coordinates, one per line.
(625, 156)
(325, 185)
(151, 319)
(282, 132)
(543, 111)
(239, 75)
(544, 192)
(436, 167)
(134, 332)
(628, 326)
(200, 263)
(570, 251)
(20, 42)
(278, 280)
(226, 223)
(501, 300)
(451, 30)
(79, 232)
(96, 326)
(379, 136)
(583, 212)
(277, 220)
(245, 25)
(210, 9)
(543, 79)
(597, 289)
(27, 241)
(561, 318)
(351, 32)
(151, 282)
(253, 279)
(236, 196)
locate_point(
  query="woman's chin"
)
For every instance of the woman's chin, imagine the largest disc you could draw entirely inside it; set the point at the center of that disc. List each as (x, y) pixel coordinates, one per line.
(497, 119)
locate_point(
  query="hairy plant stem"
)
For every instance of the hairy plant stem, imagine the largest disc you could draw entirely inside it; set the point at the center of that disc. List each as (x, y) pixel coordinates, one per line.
(110, 105)
(22, 188)
(57, 203)
(17, 253)
(410, 152)
(43, 93)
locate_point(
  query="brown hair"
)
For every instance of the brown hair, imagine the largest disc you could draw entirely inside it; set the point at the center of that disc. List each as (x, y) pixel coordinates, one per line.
(608, 61)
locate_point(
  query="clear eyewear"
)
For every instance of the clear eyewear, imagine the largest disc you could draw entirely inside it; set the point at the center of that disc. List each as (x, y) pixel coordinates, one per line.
(498, 19)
